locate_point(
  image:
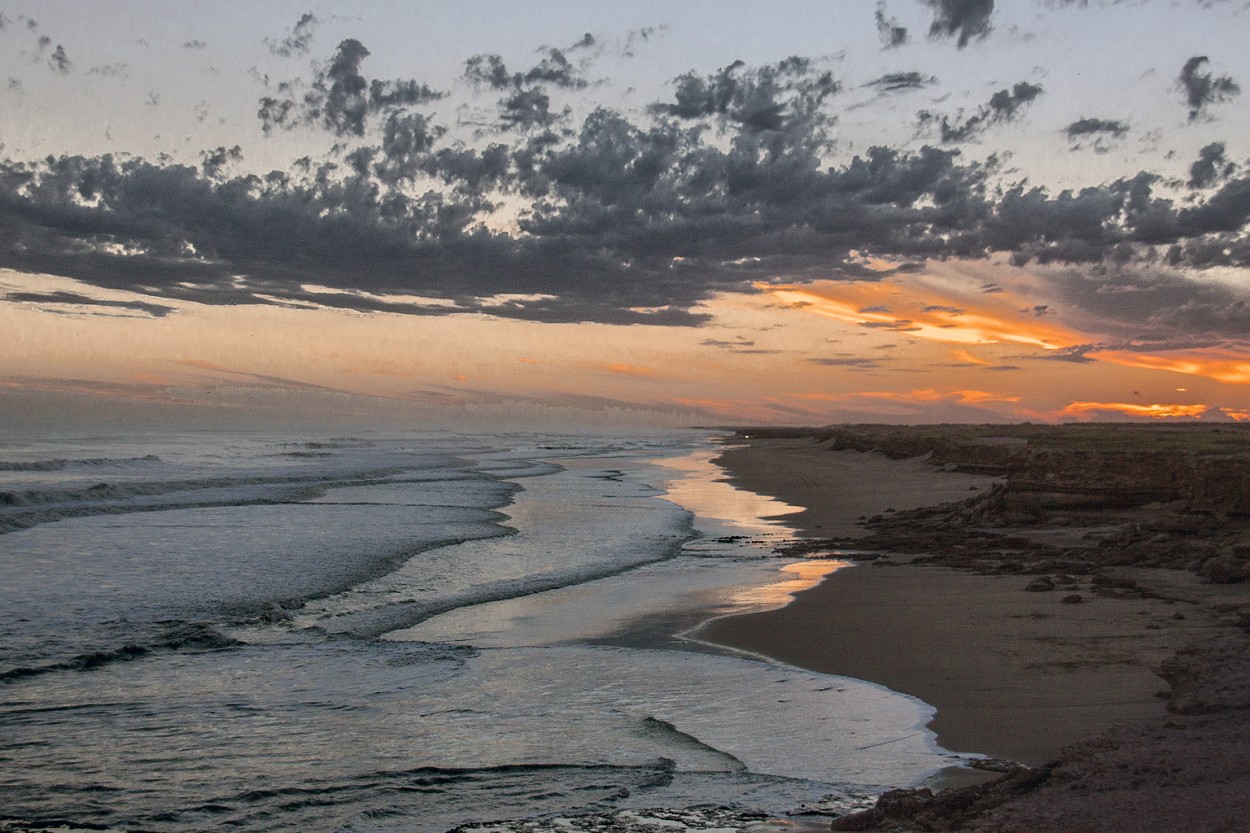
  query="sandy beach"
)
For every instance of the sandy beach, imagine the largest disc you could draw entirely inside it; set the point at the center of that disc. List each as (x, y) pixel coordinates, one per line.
(1027, 656)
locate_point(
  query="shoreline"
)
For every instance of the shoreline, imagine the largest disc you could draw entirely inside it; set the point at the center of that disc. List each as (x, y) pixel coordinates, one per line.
(1033, 666)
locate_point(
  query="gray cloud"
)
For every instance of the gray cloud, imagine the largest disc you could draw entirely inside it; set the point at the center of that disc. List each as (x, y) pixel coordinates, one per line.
(1002, 106)
(964, 19)
(1201, 88)
(892, 34)
(75, 299)
(340, 99)
(621, 218)
(895, 81)
(59, 61)
(1088, 126)
(1151, 308)
(780, 96)
(296, 43)
(1099, 135)
(526, 103)
(856, 362)
(1212, 166)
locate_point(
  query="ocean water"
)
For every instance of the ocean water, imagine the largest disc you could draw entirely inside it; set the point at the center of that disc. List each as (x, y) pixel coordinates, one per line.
(407, 634)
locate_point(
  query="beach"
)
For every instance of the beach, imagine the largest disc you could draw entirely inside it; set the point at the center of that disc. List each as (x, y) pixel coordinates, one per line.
(1037, 623)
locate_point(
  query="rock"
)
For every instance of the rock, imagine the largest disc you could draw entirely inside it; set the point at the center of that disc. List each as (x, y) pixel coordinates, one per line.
(1073, 599)
(1224, 569)
(1040, 584)
(1117, 582)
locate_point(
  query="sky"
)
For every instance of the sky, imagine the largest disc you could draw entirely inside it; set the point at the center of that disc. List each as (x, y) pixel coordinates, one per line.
(639, 214)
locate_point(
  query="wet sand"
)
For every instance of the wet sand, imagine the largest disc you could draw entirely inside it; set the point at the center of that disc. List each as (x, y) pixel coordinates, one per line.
(1013, 674)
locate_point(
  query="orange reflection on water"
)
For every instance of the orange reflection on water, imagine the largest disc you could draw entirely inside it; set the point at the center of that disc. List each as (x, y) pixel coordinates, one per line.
(799, 576)
(699, 486)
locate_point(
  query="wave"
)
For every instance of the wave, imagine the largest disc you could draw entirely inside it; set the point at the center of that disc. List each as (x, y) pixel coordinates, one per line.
(370, 624)
(174, 636)
(422, 799)
(29, 508)
(60, 464)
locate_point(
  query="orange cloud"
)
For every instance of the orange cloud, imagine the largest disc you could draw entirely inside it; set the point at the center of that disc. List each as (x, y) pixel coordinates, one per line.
(1239, 414)
(201, 364)
(1085, 409)
(1221, 365)
(906, 305)
(629, 369)
(962, 397)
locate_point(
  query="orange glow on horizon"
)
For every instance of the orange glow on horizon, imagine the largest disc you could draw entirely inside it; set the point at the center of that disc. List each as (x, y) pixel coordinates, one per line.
(1084, 409)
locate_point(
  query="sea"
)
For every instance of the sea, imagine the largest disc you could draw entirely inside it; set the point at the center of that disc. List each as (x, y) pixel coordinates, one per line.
(418, 632)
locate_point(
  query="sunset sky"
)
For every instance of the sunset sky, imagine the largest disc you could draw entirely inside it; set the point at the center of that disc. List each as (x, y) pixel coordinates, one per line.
(537, 214)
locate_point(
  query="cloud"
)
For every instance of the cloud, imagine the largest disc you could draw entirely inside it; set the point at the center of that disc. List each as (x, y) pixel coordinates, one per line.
(857, 362)
(340, 99)
(615, 217)
(781, 96)
(78, 300)
(1002, 106)
(964, 19)
(296, 43)
(527, 103)
(1095, 128)
(741, 345)
(1086, 410)
(1203, 89)
(59, 61)
(892, 34)
(1212, 166)
(896, 81)
(195, 43)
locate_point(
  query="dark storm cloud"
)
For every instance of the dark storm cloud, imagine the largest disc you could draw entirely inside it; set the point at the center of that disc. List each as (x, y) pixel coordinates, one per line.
(340, 98)
(888, 29)
(296, 43)
(1003, 106)
(1201, 88)
(1212, 166)
(895, 81)
(963, 19)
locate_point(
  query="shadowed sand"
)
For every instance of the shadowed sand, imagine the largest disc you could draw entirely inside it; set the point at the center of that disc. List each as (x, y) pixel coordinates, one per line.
(1013, 674)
